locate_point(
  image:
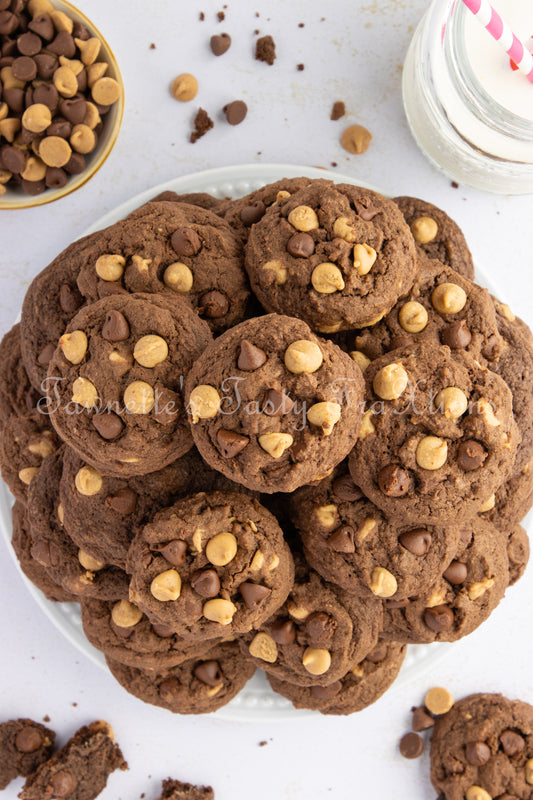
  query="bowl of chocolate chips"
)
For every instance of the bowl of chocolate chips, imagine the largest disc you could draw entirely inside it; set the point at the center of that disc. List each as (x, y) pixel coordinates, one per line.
(61, 101)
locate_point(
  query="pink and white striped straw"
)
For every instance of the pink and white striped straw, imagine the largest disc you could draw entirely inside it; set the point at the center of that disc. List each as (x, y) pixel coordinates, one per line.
(499, 30)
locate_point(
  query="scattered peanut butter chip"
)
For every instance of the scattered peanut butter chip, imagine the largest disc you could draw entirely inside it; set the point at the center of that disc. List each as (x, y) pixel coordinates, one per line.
(184, 87)
(356, 139)
(438, 700)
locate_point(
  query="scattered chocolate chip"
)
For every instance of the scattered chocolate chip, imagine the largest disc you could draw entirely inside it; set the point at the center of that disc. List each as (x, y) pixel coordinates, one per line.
(422, 720)
(209, 672)
(345, 489)
(319, 628)
(254, 594)
(338, 110)
(470, 455)
(512, 743)
(417, 541)
(394, 481)
(456, 335)
(378, 654)
(250, 356)
(115, 327)
(439, 618)
(252, 213)
(175, 552)
(69, 299)
(206, 583)
(326, 692)
(456, 573)
(220, 43)
(411, 745)
(230, 443)
(277, 403)
(28, 739)
(45, 356)
(108, 425)
(477, 753)
(213, 305)
(342, 540)
(283, 631)
(202, 124)
(265, 49)
(301, 245)
(124, 501)
(235, 111)
(454, 185)
(356, 139)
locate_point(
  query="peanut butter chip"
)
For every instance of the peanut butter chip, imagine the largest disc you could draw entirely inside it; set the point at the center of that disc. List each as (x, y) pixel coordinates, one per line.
(452, 402)
(431, 452)
(204, 403)
(316, 660)
(303, 356)
(73, 64)
(327, 278)
(95, 72)
(110, 267)
(35, 169)
(356, 139)
(477, 793)
(92, 117)
(89, 49)
(327, 515)
(38, 7)
(166, 586)
(489, 504)
(61, 21)
(106, 91)
(125, 615)
(325, 416)
(424, 229)
(264, 647)
(477, 590)
(139, 397)
(486, 411)
(276, 267)
(529, 771)
(221, 549)
(150, 351)
(88, 562)
(438, 700)
(82, 139)
(184, 87)
(367, 426)
(88, 481)
(74, 346)
(413, 317)
(178, 277)
(390, 382)
(448, 298)
(55, 151)
(303, 218)
(275, 444)
(219, 610)
(364, 258)
(37, 117)
(343, 229)
(360, 359)
(84, 393)
(383, 583)
(65, 82)
(27, 474)
(42, 447)
(9, 128)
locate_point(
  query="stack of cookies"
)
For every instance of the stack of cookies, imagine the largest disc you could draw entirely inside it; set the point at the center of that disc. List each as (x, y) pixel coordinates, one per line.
(287, 431)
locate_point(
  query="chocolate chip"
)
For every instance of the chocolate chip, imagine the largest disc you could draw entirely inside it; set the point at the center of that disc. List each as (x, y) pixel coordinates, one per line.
(366, 209)
(45, 356)
(43, 26)
(326, 692)
(33, 187)
(46, 65)
(74, 109)
(28, 739)
(252, 213)
(164, 631)
(400, 341)
(342, 540)
(283, 631)
(394, 481)
(416, 542)
(116, 327)
(24, 68)
(512, 743)
(213, 305)
(470, 455)
(59, 127)
(220, 44)
(63, 45)
(378, 654)
(8, 23)
(277, 403)
(319, 628)
(13, 158)
(301, 245)
(477, 753)
(32, 398)
(123, 502)
(79, 31)
(40, 551)
(345, 489)
(16, 99)
(167, 406)
(47, 94)
(230, 443)
(169, 689)
(29, 44)
(439, 618)
(108, 425)
(209, 672)
(75, 164)
(175, 552)
(421, 719)
(250, 356)
(456, 335)
(107, 288)
(206, 583)
(69, 298)
(254, 594)
(63, 783)
(456, 573)
(186, 242)
(411, 745)
(235, 112)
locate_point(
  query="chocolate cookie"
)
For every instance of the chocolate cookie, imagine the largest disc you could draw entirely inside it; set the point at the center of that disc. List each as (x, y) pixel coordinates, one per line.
(483, 747)
(438, 437)
(115, 381)
(172, 248)
(362, 685)
(176, 790)
(24, 745)
(80, 769)
(24, 443)
(68, 565)
(351, 543)
(17, 395)
(211, 565)
(442, 307)
(436, 234)
(335, 255)
(316, 636)
(517, 553)
(197, 686)
(463, 597)
(272, 406)
(22, 544)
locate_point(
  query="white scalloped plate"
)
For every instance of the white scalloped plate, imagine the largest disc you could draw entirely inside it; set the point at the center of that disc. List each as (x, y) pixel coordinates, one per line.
(256, 702)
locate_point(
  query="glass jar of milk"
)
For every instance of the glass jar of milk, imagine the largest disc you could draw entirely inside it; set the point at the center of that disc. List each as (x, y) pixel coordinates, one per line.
(469, 111)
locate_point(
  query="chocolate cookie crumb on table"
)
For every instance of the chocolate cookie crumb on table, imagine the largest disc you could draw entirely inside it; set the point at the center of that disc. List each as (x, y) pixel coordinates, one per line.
(176, 790)
(265, 49)
(24, 746)
(202, 124)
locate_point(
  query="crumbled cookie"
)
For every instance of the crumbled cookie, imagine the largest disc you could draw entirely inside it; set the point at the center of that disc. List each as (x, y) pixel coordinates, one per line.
(202, 124)
(24, 746)
(176, 790)
(265, 49)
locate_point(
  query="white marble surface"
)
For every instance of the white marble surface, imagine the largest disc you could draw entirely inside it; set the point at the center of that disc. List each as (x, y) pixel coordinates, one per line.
(354, 54)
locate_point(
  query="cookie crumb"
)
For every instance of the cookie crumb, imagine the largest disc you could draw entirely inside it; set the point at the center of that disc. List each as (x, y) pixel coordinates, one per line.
(263, 743)
(46, 718)
(201, 16)
(74, 704)
(202, 124)
(257, 32)
(334, 164)
(338, 110)
(221, 16)
(152, 45)
(265, 50)
(411, 745)
(356, 139)
(301, 24)
(455, 185)
(300, 67)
